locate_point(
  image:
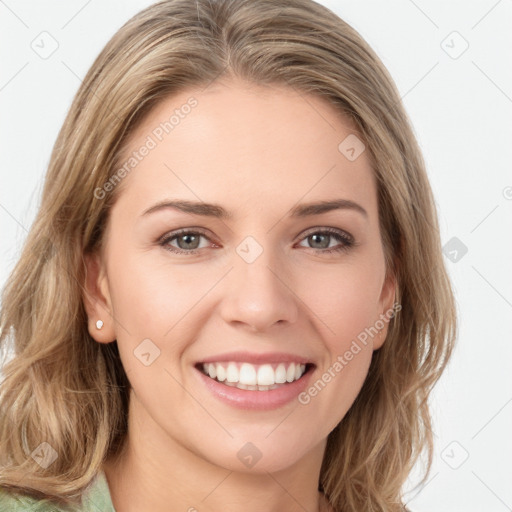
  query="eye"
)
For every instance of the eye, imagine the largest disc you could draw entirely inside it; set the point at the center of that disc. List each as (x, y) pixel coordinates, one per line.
(321, 240)
(187, 241)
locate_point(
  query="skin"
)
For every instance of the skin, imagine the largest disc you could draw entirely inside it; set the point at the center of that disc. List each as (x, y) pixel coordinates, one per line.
(258, 152)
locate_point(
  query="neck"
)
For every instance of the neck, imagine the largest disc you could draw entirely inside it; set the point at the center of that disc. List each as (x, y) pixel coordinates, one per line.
(154, 471)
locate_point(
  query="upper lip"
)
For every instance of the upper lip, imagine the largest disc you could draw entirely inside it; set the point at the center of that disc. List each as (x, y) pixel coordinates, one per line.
(254, 358)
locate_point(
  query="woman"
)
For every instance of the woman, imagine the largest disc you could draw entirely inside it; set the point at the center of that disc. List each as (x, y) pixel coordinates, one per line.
(233, 294)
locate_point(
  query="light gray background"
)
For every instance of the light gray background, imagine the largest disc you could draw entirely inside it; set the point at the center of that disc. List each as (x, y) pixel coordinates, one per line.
(460, 103)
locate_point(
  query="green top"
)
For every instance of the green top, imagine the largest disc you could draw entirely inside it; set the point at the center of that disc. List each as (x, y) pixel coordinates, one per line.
(96, 499)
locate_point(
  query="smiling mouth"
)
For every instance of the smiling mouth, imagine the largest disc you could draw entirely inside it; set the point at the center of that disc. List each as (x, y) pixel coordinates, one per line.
(254, 377)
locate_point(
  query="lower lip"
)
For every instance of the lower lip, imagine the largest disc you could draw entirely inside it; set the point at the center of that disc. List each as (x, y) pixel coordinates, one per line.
(256, 400)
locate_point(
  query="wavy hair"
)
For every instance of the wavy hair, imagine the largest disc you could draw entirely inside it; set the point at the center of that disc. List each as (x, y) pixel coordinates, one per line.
(63, 388)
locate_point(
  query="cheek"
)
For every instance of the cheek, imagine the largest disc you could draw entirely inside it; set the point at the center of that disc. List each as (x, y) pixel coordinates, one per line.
(344, 310)
(158, 302)
(345, 303)
(152, 306)
(150, 297)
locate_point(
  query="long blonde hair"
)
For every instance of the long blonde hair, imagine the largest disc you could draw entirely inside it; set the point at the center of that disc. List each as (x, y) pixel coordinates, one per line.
(63, 388)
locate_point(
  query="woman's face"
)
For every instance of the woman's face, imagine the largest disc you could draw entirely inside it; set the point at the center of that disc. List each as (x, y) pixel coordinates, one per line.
(244, 275)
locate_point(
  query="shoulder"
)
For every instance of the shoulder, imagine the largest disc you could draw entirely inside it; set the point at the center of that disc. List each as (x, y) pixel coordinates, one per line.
(14, 502)
(97, 498)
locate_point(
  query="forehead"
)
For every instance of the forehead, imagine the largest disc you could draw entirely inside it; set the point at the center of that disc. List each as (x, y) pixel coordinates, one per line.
(246, 145)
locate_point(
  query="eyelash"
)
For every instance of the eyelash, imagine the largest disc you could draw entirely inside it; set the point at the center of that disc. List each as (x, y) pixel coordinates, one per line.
(347, 240)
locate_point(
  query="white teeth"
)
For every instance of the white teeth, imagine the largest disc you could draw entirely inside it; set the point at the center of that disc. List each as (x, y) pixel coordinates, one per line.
(221, 372)
(280, 374)
(254, 377)
(265, 375)
(247, 374)
(290, 373)
(232, 373)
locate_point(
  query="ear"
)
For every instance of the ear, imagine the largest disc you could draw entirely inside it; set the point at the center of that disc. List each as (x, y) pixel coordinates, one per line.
(96, 297)
(387, 299)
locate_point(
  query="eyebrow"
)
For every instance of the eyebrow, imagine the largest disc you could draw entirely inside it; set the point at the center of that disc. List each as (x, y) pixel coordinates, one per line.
(217, 211)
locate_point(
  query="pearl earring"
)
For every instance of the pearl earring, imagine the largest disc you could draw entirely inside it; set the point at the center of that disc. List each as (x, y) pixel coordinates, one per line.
(99, 324)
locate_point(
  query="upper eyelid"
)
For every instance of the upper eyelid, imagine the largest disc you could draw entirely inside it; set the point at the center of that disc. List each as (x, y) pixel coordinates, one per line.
(328, 229)
(200, 231)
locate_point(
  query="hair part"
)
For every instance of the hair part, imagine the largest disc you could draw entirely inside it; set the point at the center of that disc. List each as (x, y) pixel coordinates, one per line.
(67, 390)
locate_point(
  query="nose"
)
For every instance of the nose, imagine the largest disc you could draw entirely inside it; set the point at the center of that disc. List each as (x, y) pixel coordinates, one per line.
(259, 294)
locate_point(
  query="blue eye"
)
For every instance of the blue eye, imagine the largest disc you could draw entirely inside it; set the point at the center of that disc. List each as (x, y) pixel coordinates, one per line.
(189, 241)
(319, 237)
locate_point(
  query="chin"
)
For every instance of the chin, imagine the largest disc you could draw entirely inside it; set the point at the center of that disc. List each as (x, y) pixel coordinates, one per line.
(257, 455)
